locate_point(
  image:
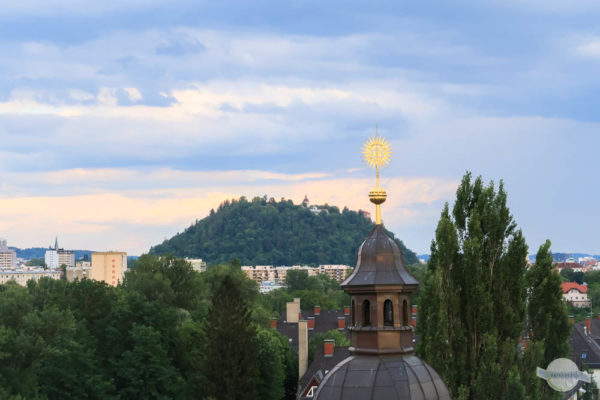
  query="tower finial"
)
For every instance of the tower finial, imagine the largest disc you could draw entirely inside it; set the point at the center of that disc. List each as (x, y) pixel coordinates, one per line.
(377, 154)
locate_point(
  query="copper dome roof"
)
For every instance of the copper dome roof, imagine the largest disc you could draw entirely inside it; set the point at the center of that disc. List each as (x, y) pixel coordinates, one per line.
(379, 262)
(382, 378)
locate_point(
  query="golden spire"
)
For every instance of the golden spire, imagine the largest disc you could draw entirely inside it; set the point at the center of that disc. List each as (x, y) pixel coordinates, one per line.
(377, 154)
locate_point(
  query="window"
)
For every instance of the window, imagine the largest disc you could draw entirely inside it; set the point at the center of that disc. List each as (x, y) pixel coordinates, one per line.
(353, 314)
(366, 313)
(388, 313)
(404, 313)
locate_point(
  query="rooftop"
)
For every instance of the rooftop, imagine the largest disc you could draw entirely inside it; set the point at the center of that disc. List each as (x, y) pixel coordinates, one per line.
(326, 321)
(566, 286)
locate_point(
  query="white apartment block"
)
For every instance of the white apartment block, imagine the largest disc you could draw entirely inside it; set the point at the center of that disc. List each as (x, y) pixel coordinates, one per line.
(269, 273)
(337, 272)
(197, 264)
(22, 276)
(55, 258)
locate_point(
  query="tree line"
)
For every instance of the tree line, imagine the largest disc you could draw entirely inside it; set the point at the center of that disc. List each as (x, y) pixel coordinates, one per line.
(167, 332)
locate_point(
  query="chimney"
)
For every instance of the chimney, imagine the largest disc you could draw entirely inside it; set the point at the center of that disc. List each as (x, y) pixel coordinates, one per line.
(328, 347)
(415, 310)
(297, 301)
(273, 322)
(588, 325)
(292, 309)
(346, 310)
(318, 310)
(311, 323)
(341, 323)
(413, 321)
(571, 319)
(302, 348)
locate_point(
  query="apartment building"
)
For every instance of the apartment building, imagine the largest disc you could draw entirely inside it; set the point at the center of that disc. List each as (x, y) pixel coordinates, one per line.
(109, 266)
(22, 276)
(269, 273)
(8, 257)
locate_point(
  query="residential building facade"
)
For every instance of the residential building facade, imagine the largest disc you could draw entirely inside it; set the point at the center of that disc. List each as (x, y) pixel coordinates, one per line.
(575, 294)
(270, 273)
(79, 271)
(22, 276)
(197, 264)
(8, 257)
(109, 266)
(57, 257)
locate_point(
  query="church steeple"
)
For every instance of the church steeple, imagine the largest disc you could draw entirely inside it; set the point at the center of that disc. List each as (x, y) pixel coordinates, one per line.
(380, 286)
(382, 364)
(56, 243)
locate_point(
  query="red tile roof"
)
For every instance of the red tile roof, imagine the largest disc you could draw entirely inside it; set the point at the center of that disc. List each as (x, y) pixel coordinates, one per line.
(571, 265)
(566, 286)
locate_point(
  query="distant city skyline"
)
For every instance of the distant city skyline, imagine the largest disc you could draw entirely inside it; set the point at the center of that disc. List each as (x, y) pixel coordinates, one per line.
(121, 124)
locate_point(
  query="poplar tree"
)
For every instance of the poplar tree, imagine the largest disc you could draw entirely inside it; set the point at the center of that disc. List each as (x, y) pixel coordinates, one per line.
(548, 324)
(473, 297)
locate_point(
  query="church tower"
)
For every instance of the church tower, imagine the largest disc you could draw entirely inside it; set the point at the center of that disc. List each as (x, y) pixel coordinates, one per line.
(382, 364)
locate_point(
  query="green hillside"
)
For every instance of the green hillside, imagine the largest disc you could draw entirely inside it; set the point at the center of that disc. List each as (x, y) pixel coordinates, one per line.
(267, 232)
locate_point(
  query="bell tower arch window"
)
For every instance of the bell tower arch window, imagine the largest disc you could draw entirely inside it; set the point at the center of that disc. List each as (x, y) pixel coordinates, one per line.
(388, 313)
(366, 313)
(405, 313)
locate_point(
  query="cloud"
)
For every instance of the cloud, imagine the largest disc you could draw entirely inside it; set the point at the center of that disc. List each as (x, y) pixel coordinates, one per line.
(589, 48)
(81, 180)
(133, 93)
(149, 214)
(186, 99)
(53, 7)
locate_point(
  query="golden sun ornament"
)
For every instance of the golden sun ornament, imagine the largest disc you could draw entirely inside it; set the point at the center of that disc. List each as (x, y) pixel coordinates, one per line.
(377, 153)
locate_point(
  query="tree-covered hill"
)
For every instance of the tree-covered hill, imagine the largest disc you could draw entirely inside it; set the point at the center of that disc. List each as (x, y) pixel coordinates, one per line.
(40, 252)
(268, 232)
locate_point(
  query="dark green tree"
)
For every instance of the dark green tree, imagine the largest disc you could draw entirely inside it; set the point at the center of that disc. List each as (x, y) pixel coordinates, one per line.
(70, 370)
(548, 322)
(37, 262)
(145, 370)
(190, 357)
(271, 353)
(473, 299)
(168, 279)
(299, 280)
(569, 275)
(231, 365)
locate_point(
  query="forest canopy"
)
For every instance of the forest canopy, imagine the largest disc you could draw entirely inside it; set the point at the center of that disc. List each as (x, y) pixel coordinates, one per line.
(270, 232)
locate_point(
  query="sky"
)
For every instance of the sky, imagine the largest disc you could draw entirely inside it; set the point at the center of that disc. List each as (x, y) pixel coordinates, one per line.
(123, 122)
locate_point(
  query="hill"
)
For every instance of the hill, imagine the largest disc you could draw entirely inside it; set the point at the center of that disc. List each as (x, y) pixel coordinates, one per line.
(40, 252)
(267, 232)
